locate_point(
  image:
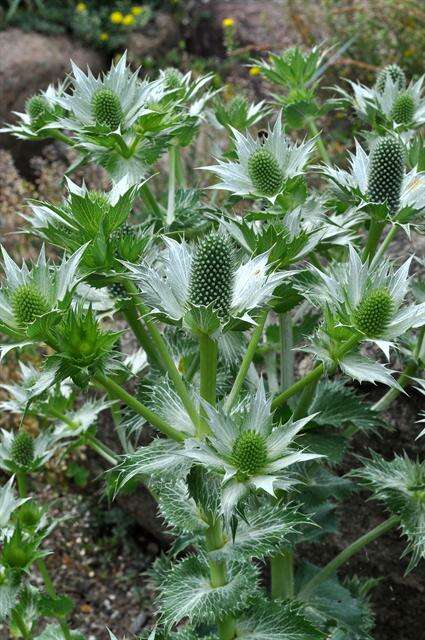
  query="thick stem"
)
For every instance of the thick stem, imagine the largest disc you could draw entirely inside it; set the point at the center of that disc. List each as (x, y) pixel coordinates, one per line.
(305, 400)
(119, 392)
(246, 361)
(141, 334)
(393, 393)
(172, 157)
(208, 367)
(287, 356)
(218, 576)
(180, 169)
(386, 242)
(319, 142)
(347, 553)
(20, 623)
(282, 575)
(147, 194)
(314, 375)
(375, 231)
(165, 357)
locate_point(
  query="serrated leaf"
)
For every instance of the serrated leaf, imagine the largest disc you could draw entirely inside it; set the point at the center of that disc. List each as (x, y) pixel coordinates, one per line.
(338, 404)
(54, 632)
(55, 606)
(263, 532)
(400, 485)
(187, 594)
(277, 621)
(178, 508)
(8, 599)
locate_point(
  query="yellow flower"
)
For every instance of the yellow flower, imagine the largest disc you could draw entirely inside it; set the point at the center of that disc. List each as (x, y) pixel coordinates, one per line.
(81, 7)
(136, 11)
(104, 37)
(128, 20)
(254, 71)
(228, 22)
(116, 17)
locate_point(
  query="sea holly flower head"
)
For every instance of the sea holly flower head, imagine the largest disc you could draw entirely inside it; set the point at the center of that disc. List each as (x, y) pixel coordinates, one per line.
(21, 452)
(391, 104)
(41, 115)
(111, 102)
(263, 167)
(248, 451)
(356, 296)
(238, 113)
(205, 284)
(29, 293)
(377, 182)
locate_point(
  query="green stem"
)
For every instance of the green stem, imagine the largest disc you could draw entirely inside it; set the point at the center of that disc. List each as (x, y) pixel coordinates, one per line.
(147, 194)
(20, 623)
(386, 243)
(208, 367)
(119, 392)
(192, 368)
(172, 156)
(246, 361)
(314, 375)
(287, 358)
(375, 231)
(61, 137)
(305, 400)
(218, 576)
(165, 357)
(282, 575)
(319, 142)
(91, 441)
(346, 554)
(22, 484)
(180, 170)
(141, 334)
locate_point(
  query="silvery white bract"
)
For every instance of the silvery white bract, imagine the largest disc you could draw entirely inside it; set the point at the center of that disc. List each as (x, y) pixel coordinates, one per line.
(187, 94)
(8, 504)
(290, 156)
(355, 181)
(165, 286)
(217, 452)
(78, 421)
(134, 95)
(369, 101)
(54, 283)
(341, 289)
(33, 383)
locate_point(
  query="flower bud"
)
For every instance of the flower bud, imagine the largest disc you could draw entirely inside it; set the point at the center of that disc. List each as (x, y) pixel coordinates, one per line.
(22, 450)
(373, 314)
(249, 453)
(265, 173)
(394, 72)
(37, 108)
(106, 108)
(28, 303)
(403, 109)
(386, 172)
(172, 78)
(212, 274)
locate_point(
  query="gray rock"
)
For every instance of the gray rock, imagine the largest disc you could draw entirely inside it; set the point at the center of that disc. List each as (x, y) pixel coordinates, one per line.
(159, 36)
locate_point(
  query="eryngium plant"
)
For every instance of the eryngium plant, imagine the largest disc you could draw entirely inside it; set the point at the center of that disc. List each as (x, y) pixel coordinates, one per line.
(244, 450)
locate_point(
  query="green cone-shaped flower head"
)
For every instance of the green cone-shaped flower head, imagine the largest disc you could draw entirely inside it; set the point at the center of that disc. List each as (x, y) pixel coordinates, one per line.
(22, 450)
(212, 274)
(172, 78)
(106, 108)
(28, 303)
(99, 199)
(394, 72)
(37, 107)
(265, 173)
(386, 172)
(403, 109)
(373, 314)
(29, 515)
(249, 453)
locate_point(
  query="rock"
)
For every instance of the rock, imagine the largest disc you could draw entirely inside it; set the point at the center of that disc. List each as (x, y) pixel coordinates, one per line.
(159, 36)
(30, 61)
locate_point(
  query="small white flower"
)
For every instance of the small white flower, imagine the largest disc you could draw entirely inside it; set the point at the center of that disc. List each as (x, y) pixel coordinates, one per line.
(286, 158)
(247, 450)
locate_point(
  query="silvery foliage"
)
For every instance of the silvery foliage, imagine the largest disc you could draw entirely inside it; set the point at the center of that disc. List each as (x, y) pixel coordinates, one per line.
(240, 475)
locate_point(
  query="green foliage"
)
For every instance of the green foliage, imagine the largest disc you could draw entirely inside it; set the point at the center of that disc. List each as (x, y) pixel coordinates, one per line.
(395, 73)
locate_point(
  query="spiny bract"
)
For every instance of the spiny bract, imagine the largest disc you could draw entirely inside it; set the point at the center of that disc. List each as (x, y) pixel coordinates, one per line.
(249, 453)
(386, 172)
(99, 199)
(22, 450)
(172, 78)
(265, 173)
(106, 108)
(374, 313)
(37, 107)
(28, 303)
(403, 109)
(212, 274)
(394, 72)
